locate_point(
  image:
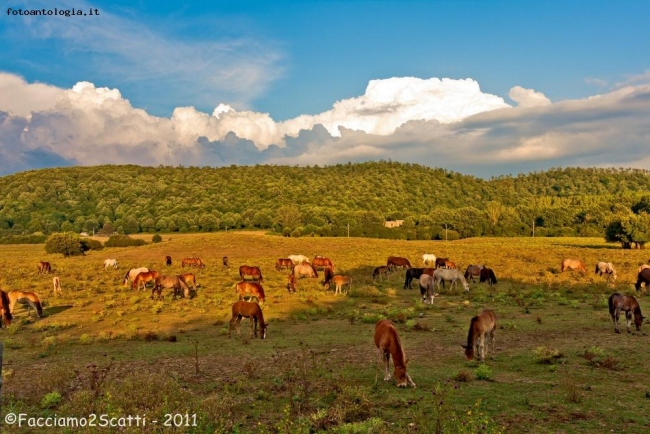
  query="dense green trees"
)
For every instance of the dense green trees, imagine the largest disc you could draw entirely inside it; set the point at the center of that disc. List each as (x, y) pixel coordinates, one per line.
(322, 201)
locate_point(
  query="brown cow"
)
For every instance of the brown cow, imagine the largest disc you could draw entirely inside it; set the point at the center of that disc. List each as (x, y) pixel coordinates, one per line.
(168, 260)
(190, 279)
(396, 262)
(244, 309)
(143, 278)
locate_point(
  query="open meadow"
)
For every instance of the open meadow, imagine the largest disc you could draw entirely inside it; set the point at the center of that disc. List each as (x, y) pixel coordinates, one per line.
(103, 348)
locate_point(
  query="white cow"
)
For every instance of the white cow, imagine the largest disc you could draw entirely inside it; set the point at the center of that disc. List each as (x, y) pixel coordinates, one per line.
(110, 263)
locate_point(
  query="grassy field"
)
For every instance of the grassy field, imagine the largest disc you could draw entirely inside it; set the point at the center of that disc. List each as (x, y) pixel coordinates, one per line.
(105, 349)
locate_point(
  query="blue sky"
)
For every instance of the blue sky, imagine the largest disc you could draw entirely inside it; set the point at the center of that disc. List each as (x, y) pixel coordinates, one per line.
(278, 69)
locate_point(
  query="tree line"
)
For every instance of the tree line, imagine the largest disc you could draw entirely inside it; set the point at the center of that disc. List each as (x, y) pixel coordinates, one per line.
(335, 200)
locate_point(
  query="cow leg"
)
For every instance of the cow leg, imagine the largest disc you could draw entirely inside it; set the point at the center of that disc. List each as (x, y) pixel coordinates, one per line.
(615, 317)
(628, 318)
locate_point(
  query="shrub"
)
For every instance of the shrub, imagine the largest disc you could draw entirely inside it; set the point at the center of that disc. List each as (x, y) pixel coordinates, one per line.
(66, 243)
(23, 239)
(50, 400)
(483, 372)
(156, 238)
(123, 241)
(90, 244)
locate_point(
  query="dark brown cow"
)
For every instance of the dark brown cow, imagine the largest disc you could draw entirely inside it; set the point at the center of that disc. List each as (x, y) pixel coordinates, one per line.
(225, 261)
(395, 261)
(441, 262)
(168, 260)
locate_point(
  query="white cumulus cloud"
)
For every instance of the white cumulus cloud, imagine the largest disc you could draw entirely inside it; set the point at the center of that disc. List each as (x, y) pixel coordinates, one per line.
(528, 97)
(445, 123)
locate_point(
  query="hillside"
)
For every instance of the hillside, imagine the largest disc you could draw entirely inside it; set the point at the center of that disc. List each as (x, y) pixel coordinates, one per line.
(320, 200)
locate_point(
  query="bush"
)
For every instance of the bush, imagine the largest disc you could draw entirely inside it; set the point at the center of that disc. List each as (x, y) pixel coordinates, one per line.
(483, 372)
(123, 241)
(66, 243)
(90, 244)
(23, 239)
(156, 238)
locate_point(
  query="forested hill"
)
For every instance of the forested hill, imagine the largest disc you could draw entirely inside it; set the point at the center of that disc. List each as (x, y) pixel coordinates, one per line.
(320, 200)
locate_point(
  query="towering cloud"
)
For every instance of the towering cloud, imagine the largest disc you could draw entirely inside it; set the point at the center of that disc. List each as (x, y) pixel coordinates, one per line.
(439, 122)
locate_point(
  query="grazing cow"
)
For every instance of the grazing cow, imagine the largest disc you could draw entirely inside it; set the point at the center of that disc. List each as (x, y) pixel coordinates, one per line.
(322, 262)
(412, 273)
(252, 288)
(606, 268)
(44, 267)
(254, 272)
(397, 262)
(573, 264)
(339, 281)
(426, 288)
(379, 271)
(642, 277)
(428, 257)
(298, 259)
(304, 269)
(108, 263)
(622, 303)
(487, 275)
(132, 274)
(56, 283)
(224, 260)
(283, 263)
(643, 267)
(483, 324)
(245, 309)
(168, 260)
(388, 344)
(473, 271)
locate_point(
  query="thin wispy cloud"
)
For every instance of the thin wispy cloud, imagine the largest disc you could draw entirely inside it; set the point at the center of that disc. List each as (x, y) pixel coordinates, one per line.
(205, 72)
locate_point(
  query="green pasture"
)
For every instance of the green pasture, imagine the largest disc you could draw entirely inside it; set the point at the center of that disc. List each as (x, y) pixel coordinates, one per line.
(105, 349)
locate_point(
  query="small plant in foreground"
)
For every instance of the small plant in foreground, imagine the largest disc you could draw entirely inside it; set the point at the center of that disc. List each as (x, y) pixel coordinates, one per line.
(483, 372)
(548, 356)
(50, 400)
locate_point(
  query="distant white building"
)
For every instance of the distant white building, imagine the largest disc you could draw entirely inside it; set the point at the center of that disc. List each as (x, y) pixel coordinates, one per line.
(393, 223)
